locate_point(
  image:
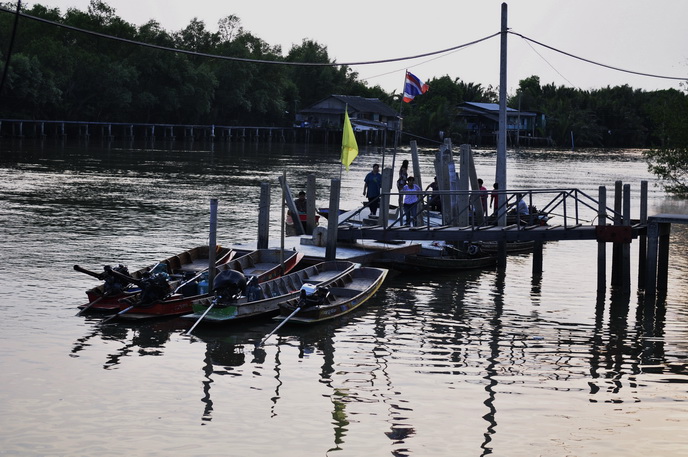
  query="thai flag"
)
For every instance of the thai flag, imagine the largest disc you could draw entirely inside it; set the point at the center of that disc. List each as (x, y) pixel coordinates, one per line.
(413, 86)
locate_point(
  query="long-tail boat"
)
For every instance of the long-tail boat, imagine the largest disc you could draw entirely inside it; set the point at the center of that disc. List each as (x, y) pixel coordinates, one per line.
(106, 296)
(320, 303)
(255, 267)
(263, 300)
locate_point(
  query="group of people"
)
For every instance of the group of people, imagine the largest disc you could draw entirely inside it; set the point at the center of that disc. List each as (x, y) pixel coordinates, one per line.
(408, 189)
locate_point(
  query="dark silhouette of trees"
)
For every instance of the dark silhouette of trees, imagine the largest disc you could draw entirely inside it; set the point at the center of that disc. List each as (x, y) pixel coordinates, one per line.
(63, 74)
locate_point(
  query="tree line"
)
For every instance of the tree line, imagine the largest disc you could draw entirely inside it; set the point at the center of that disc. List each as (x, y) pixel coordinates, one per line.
(63, 74)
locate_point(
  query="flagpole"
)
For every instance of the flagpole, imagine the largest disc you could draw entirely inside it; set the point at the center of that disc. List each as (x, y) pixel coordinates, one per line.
(397, 137)
(341, 162)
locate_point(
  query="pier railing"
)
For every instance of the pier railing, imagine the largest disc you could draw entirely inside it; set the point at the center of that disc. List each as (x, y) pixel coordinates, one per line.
(573, 205)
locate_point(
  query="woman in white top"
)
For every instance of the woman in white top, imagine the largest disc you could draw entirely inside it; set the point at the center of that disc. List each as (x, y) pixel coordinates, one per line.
(411, 200)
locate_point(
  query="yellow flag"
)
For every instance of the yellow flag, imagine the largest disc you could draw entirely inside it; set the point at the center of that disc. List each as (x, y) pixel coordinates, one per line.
(349, 146)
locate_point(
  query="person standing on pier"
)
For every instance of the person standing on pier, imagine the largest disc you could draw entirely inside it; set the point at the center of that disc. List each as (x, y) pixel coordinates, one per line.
(401, 180)
(301, 203)
(411, 200)
(483, 196)
(371, 189)
(494, 198)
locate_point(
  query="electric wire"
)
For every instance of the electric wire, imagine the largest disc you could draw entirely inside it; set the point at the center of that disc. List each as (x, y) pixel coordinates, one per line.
(333, 64)
(244, 59)
(684, 78)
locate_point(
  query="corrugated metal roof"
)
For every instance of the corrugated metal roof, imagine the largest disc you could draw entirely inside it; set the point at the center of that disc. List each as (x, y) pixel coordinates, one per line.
(356, 104)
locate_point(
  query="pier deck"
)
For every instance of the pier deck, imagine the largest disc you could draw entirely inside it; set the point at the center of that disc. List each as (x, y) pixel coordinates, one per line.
(607, 233)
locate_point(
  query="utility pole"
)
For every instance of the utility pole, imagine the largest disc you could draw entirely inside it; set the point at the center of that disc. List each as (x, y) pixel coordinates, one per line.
(501, 137)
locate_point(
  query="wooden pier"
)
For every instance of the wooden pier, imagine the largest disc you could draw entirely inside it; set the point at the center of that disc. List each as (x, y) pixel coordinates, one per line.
(657, 263)
(41, 129)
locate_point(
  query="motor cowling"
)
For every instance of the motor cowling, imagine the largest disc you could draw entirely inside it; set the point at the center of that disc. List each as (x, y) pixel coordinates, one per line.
(229, 285)
(115, 284)
(313, 295)
(153, 288)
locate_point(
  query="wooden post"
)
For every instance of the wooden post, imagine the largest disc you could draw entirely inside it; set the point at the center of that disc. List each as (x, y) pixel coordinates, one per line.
(264, 216)
(626, 247)
(387, 180)
(537, 258)
(418, 180)
(617, 255)
(289, 199)
(476, 197)
(651, 264)
(663, 258)
(212, 243)
(601, 245)
(463, 198)
(310, 204)
(416, 164)
(331, 247)
(642, 239)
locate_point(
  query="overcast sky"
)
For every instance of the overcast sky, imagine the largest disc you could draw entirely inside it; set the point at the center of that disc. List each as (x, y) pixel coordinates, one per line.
(638, 35)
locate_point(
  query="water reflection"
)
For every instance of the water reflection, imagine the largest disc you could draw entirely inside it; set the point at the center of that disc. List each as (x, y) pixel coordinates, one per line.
(431, 358)
(150, 338)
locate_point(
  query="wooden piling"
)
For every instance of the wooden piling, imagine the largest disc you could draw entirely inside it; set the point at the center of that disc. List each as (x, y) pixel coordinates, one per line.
(617, 253)
(212, 243)
(537, 258)
(289, 200)
(331, 247)
(387, 180)
(626, 246)
(642, 238)
(602, 245)
(663, 259)
(310, 204)
(264, 216)
(463, 198)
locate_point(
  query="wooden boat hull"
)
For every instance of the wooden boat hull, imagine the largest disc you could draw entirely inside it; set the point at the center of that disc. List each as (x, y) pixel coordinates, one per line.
(432, 264)
(513, 247)
(193, 260)
(266, 301)
(345, 295)
(264, 264)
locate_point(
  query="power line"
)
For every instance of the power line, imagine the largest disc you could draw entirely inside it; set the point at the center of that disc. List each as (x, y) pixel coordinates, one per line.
(243, 59)
(598, 63)
(329, 64)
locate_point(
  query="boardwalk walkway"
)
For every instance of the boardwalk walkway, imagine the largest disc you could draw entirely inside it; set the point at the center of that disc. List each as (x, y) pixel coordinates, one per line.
(493, 233)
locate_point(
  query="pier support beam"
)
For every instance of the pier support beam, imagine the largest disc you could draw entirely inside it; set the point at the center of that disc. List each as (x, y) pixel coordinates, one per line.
(537, 258)
(264, 216)
(626, 246)
(602, 245)
(212, 243)
(310, 204)
(617, 254)
(331, 247)
(642, 238)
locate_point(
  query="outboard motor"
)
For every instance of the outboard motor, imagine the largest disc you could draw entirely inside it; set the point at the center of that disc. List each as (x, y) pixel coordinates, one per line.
(253, 291)
(153, 288)
(313, 295)
(115, 284)
(229, 285)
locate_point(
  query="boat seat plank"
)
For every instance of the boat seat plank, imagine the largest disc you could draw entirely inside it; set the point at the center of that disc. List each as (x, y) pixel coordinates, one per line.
(196, 265)
(323, 276)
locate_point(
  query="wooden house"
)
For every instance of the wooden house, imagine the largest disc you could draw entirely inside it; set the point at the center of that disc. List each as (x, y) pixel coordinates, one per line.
(478, 124)
(366, 114)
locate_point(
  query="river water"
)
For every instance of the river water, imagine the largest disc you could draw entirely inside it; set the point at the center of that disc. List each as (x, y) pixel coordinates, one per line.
(470, 364)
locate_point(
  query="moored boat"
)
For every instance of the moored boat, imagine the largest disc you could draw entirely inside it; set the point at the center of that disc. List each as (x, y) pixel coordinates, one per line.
(320, 303)
(257, 267)
(106, 296)
(263, 300)
(419, 263)
(512, 247)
